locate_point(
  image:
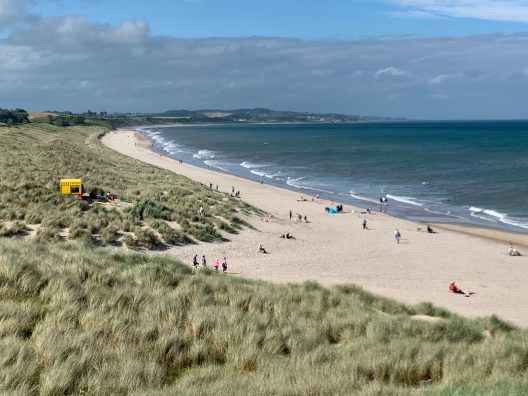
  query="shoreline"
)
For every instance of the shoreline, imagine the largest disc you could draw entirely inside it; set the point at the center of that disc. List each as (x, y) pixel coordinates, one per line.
(403, 206)
(334, 249)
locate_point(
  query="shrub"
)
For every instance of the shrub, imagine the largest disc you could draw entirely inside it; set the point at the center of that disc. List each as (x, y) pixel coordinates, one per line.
(147, 238)
(15, 228)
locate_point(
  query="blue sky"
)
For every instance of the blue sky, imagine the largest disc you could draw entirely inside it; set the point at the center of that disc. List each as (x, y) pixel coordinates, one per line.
(421, 59)
(310, 19)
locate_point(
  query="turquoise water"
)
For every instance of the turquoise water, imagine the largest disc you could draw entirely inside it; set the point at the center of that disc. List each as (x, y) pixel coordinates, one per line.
(475, 172)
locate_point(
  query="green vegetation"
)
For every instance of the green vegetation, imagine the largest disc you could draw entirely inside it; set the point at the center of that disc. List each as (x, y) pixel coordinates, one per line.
(260, 115)
(158, 207)
(13, 117)
(79, 320)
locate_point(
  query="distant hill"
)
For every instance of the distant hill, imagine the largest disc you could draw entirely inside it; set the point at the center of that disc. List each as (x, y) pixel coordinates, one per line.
(263, 115)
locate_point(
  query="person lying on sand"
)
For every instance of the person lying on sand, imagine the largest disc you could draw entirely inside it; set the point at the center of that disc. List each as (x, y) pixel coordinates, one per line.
(289, 236)
(513, 251)
(261, 249)
(454, 289)
(430, 230)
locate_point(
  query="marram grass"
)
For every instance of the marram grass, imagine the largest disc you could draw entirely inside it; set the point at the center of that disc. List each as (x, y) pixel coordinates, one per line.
(75, 319)
(36, 156)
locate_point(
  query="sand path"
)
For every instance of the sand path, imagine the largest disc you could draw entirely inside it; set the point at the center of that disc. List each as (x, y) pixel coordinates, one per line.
(334, 249)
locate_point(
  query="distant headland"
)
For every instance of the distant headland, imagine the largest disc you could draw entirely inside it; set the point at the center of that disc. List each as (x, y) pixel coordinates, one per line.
(186, 117)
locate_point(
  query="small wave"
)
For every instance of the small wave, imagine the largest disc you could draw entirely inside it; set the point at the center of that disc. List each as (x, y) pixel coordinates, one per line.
(495, 217)
(298, 183)
(362, 198)
(204, 154)
(215, 164)
(251, 165)
(172, 147)
(407, 200)
(258, 173)
(263, 174)
(448, 213)
(156, 136)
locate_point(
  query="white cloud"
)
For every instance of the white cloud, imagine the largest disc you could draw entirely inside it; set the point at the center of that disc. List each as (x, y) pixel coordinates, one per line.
(439, 79)
(129, 32)
(14, 12)
(390, 72)
(495, 10)
(443, 78)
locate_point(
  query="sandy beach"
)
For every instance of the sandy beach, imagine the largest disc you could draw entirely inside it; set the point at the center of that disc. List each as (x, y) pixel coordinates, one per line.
(334, 248)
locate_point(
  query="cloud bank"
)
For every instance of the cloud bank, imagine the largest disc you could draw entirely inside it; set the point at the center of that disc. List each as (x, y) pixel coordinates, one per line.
(71, 63)
(493, 10)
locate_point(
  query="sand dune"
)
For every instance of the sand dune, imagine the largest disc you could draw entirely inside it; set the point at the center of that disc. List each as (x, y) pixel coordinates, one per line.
(333, 249)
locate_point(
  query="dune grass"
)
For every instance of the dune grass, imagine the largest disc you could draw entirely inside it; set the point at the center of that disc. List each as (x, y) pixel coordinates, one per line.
(81, 320)
(40, 154)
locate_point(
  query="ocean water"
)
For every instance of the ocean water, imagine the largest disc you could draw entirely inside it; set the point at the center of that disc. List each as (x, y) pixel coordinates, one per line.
(474, 172)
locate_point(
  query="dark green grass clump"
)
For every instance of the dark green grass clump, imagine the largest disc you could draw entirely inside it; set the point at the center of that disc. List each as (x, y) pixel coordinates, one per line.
(79, 320)
(38, 155)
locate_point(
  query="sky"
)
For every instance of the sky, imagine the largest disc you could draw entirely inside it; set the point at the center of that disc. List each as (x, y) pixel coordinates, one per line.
(420, 59)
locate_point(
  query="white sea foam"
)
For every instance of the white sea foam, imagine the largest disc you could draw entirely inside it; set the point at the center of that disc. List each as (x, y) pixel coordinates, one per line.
(362, 198)
(156, 136)
(407, 200)
(301, 184)
(173, 148)
(496, 217)
(448, 213)
(204, 154)
(263, 174)
(252, 165)
(216, 164)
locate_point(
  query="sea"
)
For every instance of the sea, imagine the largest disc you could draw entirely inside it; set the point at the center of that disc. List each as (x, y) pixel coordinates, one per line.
(473, 172)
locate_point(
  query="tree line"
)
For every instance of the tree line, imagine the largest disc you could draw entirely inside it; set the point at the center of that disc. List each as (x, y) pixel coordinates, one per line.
(12, 117)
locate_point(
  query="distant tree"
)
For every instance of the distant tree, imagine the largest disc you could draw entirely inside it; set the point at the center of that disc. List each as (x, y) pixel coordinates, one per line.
(61, 121)
(78, 120)
(11, 117)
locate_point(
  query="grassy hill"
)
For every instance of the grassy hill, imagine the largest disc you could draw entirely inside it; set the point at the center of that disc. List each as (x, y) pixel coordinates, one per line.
(78, 318)
(157, 206)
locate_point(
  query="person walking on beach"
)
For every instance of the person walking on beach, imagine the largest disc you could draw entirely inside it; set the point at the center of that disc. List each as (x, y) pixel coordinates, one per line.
(224, 265)
(210, 185)
(204, 262)
(397, 235)
(290, 214)
(216, 263)
(195, 262)
(233, 190)
(364, 223)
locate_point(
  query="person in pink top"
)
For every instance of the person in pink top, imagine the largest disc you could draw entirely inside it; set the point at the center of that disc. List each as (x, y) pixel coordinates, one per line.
(216, 263)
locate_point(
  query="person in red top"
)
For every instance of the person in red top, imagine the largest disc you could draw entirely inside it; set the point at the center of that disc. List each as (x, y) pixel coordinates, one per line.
(454, 289)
